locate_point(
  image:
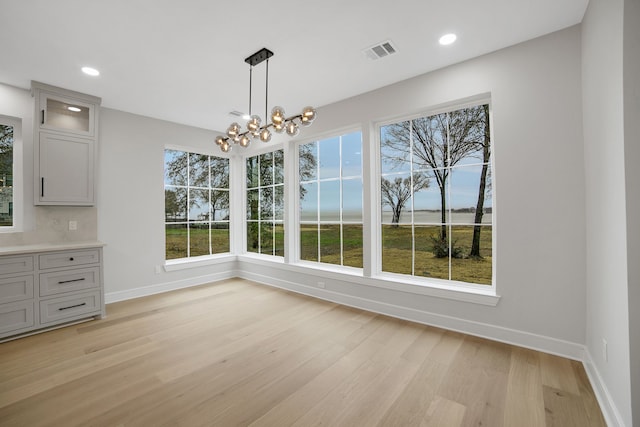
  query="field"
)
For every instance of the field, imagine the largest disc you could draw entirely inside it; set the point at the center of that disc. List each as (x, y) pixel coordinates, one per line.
(397, 243)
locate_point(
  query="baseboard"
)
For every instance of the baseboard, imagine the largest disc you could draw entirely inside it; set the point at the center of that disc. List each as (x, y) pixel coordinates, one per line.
(496, 333)
(168, 286)
(609, 409)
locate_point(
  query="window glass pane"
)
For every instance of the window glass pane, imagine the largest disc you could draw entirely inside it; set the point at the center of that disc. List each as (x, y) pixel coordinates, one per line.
(329, 200)
(352, 154)
(252, 204)
(467, 135)
(429, 142)
(266, 169)
(395, 147)
(6, 175)
(253, 229)
(279, 239)
(278, 202)
(329, 150)
(397, 248)
(266, 203)
(219, 237)
(352, 245)
(308, 161)
(266, 238)
(278, 167)
(219, 205)
(176, 241)
(198, 170)
(352, 200)
(330, 244)
(175, 204)
(465, 190)
(198, 205)
(431, 252)
(175, 167)
(252, 172)
(468, 267)
(395, 191)
(309, 242)
(427, 201)
(309, 202)
(199, 239)
(219, 172)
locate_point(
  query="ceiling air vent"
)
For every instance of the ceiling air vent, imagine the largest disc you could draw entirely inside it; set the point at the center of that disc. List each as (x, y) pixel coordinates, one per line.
(380, 50)
(236, 113)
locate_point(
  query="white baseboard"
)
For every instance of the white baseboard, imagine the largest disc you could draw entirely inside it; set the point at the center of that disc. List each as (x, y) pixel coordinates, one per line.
(609, 409)
(168, 286)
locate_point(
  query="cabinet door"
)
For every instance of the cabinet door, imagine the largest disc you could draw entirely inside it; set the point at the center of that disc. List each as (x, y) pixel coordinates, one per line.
(67, 115)
(66, 170)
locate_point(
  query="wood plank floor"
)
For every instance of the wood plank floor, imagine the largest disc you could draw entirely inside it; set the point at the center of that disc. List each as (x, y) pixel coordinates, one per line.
(237, 353)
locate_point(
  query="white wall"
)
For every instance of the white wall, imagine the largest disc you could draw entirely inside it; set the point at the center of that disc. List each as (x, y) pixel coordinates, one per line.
(607, 284)
(631, 74)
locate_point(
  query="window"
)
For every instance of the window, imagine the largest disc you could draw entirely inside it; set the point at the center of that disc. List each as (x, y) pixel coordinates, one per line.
(8, 130)
(196, 196)
(265, 203)
(436, 196)
(330, 174)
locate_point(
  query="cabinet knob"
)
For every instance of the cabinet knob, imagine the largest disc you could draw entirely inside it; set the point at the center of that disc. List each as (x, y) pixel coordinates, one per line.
(71, 259)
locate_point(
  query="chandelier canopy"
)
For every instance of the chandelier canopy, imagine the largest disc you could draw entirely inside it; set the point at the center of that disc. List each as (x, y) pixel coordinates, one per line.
(255, 127)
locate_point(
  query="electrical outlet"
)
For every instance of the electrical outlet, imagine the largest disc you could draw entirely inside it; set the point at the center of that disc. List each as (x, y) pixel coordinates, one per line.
(73, 225)
(605, 350)
(321, 285)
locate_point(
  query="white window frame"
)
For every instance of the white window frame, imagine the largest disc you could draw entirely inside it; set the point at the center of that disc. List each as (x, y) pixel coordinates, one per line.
(18, 174)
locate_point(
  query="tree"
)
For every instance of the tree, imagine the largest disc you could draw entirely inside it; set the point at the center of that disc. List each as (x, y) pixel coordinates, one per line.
(396, 193)
(437, 143)
(486, 153)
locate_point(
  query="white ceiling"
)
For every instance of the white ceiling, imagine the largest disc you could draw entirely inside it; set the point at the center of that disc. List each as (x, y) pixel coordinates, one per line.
(183, 60)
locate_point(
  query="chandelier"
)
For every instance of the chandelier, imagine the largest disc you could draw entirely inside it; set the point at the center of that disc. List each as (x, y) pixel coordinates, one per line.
(255, 128)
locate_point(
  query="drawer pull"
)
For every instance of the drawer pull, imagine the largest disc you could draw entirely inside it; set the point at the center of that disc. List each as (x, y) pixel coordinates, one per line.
(72, 306)
(71, 281)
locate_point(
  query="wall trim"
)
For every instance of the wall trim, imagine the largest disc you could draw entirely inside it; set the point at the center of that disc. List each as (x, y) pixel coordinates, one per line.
(542, 343)
(169, 286)
(608, 407)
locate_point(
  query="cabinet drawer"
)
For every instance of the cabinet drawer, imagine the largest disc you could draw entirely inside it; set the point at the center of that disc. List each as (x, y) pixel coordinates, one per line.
(69, 280)
(16, 264)
(69, 259)
(15, 317)
(16, 288)
(71, 306)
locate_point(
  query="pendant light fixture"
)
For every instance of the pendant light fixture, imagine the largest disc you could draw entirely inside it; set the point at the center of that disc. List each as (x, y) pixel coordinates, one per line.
(255, 127)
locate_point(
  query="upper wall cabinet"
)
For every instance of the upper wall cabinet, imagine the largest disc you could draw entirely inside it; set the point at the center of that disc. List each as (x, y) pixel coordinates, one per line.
(65, 146)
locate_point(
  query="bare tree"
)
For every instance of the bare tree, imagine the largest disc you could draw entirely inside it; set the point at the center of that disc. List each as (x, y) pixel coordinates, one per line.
(396, 193)
(482, 190)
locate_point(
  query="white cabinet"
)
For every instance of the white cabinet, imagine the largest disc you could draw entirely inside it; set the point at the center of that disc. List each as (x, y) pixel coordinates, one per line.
(46, 288)
(66, 132)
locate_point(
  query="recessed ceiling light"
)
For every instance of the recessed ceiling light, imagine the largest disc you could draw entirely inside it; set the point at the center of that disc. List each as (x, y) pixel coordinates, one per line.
(90, 71)
(447, 39)
(74, 109)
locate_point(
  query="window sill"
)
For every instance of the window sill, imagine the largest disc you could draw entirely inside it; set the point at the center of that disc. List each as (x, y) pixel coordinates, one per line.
(194, 262)
(475, 294)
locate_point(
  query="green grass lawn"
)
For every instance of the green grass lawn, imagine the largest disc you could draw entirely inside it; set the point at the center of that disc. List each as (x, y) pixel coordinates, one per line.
(397, 244)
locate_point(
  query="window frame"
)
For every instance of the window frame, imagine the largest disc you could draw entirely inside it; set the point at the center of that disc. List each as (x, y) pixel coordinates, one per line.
(376, 200)
(18, 174)
(188, 261)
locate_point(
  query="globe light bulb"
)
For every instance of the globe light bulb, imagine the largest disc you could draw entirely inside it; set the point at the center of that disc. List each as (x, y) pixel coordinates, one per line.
(277, 116)
(233, 130)
(265, 135)
(292, 128)
(226, 147)
(245, 141)
(219, 140)
(254, 123)
(308, 116)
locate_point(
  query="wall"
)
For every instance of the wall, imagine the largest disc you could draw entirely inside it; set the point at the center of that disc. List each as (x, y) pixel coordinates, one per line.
(631, 72)
(606, 232)
(40, 224)
(131, 201)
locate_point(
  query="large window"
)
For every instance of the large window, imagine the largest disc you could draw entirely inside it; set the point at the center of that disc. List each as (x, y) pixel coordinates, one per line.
(330, 174)
(7, 135)
(196, 194)
(265, 203)
(436, 196)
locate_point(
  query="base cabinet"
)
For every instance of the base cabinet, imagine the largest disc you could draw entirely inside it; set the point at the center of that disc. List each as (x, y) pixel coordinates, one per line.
(40, 290)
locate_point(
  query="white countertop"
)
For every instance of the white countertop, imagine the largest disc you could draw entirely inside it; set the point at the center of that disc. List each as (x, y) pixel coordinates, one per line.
(48, 247)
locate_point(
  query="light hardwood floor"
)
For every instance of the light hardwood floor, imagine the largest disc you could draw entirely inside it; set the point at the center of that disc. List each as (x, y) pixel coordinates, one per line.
(237, 353)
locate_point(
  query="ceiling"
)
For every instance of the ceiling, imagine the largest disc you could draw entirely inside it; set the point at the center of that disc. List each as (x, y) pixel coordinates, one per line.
(183, 60)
